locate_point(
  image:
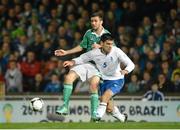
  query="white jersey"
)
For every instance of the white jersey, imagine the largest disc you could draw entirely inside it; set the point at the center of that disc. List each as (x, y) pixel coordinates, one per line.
(108, 65)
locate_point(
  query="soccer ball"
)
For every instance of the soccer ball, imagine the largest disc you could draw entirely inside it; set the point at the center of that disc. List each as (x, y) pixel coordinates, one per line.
(36, 104)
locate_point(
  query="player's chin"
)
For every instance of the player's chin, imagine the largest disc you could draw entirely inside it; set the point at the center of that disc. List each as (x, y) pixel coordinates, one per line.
(94, 28)
(108, 51)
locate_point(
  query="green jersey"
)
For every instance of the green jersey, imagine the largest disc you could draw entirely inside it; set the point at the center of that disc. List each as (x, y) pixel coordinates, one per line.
(90, 38)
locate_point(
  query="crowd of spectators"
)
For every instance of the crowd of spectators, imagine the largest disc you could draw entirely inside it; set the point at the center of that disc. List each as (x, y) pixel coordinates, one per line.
(30, 30)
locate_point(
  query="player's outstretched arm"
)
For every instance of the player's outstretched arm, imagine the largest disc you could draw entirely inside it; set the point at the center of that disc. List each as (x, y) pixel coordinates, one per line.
(68, 63)
(124, 72)
(62, 52)
(95, 46)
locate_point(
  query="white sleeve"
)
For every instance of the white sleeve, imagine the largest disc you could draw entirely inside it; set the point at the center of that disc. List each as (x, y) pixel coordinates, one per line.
(83, 58)
(126, 60)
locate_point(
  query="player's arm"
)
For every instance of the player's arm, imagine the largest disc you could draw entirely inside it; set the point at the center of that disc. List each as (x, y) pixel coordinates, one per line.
(76, 49)
(68, 63)
(124, 72)
(83, 58)
(62, 52)
(127, 62)
(96, 46)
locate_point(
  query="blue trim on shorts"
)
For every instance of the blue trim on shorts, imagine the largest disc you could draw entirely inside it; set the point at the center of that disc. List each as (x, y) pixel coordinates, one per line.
(114, 85)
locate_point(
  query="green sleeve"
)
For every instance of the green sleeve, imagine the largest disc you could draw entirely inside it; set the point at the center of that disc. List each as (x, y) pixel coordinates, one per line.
(84, 42)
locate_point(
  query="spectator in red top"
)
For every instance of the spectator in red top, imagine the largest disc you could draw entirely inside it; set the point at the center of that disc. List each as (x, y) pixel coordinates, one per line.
(29, 67)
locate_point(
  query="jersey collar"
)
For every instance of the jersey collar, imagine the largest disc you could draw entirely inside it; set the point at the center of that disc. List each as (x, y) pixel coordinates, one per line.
(102, 32)
(101, 50)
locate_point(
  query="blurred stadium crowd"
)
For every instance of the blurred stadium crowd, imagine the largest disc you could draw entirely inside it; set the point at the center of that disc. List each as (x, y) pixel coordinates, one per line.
(30, 30)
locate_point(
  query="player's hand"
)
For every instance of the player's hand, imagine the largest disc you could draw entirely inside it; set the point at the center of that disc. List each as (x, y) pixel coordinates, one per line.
(124, 72)
(60, 52)
(95, 46)
(68, 63)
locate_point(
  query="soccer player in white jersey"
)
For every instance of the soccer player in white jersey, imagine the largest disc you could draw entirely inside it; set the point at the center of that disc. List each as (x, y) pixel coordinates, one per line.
(85, 71)
(107, 59)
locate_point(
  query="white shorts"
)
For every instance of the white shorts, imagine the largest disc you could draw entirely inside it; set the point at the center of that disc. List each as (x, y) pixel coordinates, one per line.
(86, 71)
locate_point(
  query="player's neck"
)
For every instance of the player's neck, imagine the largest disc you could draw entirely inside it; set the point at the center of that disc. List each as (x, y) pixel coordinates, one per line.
(99, 30)
(103, 51)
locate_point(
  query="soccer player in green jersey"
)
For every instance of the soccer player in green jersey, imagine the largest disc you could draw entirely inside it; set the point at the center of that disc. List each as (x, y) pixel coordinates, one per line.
(87, 71)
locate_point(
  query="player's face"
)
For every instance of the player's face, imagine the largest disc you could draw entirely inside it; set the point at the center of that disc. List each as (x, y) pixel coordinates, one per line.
(96, 22)
(107, 46)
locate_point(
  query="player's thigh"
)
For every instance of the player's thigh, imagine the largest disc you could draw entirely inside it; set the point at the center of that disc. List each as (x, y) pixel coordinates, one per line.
(81, 71)
(71, 77)
(116, 86)
(94, 82)
(92, 71)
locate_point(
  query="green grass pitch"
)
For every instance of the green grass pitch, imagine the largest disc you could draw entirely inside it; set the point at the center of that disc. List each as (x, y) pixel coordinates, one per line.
(102, 125)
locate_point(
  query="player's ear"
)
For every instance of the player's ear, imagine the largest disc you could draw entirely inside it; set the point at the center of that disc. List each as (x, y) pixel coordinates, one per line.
(101, 43)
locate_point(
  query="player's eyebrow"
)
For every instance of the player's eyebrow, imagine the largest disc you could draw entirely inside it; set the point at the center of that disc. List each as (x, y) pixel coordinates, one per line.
(109, 43)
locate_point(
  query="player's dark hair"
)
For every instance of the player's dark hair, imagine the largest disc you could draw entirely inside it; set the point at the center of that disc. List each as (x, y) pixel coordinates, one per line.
(97, 14)
(106, 36)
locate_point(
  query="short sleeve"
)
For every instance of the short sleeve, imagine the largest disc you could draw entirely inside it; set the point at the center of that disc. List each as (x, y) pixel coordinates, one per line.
(84, 42)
